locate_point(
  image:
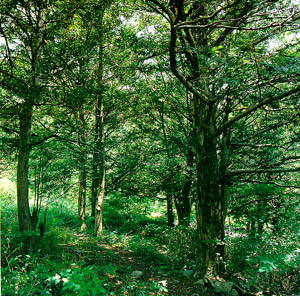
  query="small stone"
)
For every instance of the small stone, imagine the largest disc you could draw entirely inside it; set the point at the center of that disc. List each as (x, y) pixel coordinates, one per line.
(188, 273)
(137, 274)
(163, 283)
(223, 287)
(239, 289)
(200, 282)
(209, 281)
(228, 286)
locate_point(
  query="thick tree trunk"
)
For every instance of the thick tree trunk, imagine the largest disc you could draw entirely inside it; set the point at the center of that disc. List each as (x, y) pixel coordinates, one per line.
(26, 221)
(209, 204)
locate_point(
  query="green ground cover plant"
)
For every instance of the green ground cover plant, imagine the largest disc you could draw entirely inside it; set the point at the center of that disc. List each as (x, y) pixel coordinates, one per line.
(68, 262)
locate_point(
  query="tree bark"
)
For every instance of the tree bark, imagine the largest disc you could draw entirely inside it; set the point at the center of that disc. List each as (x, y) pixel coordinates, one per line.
(99, 205)
(27, 222)
(184, 205)
(209, 204)
(100, 150)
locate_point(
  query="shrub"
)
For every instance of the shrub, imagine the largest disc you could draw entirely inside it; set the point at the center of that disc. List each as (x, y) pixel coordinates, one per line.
(270, 263)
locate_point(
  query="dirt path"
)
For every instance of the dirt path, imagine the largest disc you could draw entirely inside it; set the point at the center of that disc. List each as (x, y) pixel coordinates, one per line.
(125, 262)
(176, 285)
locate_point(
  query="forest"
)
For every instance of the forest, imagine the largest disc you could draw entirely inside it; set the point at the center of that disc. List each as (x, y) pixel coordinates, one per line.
(150, 147)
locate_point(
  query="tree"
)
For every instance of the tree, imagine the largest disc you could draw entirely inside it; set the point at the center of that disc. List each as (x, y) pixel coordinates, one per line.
(98, 175)
(208, 42)
(163, 116)
(27, 28)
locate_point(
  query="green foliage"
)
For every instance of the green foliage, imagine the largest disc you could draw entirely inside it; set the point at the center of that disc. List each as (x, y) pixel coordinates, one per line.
(148, 250)
(67, 263)
(138, 288)
(182, 244)
(24, 275)
(54, 268)
(150, 133)
(29, 275)
(128, 214)
(78, 281)
(272, 263)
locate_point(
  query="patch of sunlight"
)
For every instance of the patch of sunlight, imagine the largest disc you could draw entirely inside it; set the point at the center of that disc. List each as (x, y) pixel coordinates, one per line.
(155, 214)
(7, 185)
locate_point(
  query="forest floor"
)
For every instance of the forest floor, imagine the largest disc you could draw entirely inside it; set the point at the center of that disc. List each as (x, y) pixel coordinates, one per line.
(124, 262)
(136, 256)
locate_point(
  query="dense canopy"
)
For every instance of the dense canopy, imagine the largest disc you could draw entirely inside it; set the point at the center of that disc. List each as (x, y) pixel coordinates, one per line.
(174, 125)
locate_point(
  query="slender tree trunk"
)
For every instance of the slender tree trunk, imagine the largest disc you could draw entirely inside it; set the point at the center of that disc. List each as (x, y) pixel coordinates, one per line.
(170, 190)
(95, 177)
(96, 161)
(99, 157)
(82, 174)
(184, 205)
(170, 210)
(100, 150)
(209, 204)
(224, 161)
(82, 197)
(100, 198)
(99, 204)
(26, 221)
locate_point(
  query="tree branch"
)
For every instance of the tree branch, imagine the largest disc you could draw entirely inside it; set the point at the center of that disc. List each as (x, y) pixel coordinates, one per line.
(255, 107)
(167, 11)
(260, 171)
(268, 182)
(173, 66)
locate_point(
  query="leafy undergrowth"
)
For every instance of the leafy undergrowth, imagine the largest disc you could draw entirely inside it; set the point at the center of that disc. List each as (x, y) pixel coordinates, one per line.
(270, 264)
(67, 262)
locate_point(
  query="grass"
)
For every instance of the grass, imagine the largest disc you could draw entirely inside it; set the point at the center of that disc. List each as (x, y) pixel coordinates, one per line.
(69, 262)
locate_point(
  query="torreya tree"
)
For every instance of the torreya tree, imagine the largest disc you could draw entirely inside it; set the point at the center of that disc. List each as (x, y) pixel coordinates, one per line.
(160, 109)
(162, 104)
(27, 29)
(176, 135)
(209, 42)
(94, 14)
(76, 98)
